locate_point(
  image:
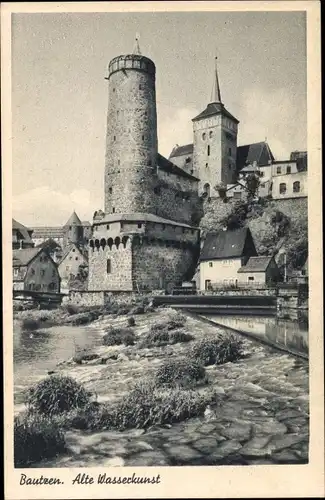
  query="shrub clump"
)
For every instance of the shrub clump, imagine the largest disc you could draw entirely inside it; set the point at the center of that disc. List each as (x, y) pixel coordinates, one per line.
(30, 324)
(217, 351)
(131, 321)
(166, 332)
(57, 394)
(180, 373)
(36, 438)
(119, 336)
(147, 405)
(84, 355)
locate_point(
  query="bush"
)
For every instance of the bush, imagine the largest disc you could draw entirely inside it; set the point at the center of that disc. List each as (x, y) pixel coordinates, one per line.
(119, 336)
(217, 351)
(147, 405)
(155, 338)
(131, 321)
(57, 394)
(71, 308)
(84, 355)
(36, 438)
(180, 372)
(179, 336)
(170, 324)
(30, 324)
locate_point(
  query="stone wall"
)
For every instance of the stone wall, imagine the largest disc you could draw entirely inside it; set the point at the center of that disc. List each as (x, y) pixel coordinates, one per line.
(84, 298)
(159, 266)
(120, 275)
(176, 201)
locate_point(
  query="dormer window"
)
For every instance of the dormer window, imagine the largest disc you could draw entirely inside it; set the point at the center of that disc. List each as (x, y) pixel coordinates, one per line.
(188, 160)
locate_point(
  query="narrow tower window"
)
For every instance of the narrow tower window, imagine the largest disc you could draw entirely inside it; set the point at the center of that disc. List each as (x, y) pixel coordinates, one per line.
(113, 210)
(114, 137)
(110, 190)
(143, 137)
(209, 150)
(108, 266)
(204, 136)
(210, 134)
(229, 151)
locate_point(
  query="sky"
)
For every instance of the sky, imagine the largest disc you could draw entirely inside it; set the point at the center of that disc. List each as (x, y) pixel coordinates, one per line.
(60, 95)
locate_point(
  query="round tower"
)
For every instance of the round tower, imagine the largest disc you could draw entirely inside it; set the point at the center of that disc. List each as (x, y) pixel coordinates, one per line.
(73, 229)
(131, 141)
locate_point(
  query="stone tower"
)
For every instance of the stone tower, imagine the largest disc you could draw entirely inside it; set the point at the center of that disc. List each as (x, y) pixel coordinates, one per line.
(215, 143)
(73, 230)
(145, 239)
(131, 140)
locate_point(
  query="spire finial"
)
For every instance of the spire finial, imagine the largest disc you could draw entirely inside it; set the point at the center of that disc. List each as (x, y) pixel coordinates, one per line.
(136, 48)
(217, 93)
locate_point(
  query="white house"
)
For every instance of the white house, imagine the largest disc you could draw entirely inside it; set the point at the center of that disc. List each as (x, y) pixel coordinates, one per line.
(223, 254)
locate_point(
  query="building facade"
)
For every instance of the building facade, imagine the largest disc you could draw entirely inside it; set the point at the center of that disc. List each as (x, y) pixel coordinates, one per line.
(21, 236)
(223, 254)
(34, 269)
(259, 271)
(74, 257)
(145, 238)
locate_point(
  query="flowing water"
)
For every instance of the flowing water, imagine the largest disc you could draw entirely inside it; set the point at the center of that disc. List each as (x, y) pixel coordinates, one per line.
(289, 331)
(37, 352)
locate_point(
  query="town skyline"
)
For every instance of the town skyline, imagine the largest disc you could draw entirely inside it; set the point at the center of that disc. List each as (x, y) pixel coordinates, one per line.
(61, 108)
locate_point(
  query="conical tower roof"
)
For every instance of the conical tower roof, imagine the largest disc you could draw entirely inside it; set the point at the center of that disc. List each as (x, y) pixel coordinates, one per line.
(73, 220)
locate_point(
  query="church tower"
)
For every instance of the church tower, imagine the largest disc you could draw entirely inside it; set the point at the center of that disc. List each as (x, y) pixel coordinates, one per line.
(215, 143)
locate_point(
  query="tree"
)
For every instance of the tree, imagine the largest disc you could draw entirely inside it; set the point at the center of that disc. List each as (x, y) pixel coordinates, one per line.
(252, 185)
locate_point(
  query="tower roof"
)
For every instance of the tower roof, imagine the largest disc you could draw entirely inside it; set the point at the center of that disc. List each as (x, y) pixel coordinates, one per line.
(73, 220)
(214, 108)
(217, 93)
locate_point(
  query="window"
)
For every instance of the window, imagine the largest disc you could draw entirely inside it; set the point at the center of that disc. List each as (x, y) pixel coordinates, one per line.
(283, 188)
(209, 150)
(289, 169)
(140, 87)
(114, 138)
(110, 190)
(229, 151)
(73, 249)
(210, 264)
(203, 136)
(107, 226)
(42, 272)
(113, 210)
(118, 162)
(296, 187)
(108, 266)
(188, 160)
(156, 190)
(251, 278)
(261, 174)
(210, 134)
(113, 89)
(237, 195)
(229, 166)
(32, 272)
(16, 272)
(206, 165)
(122, 225)
(278, 170)
(143, 137)
(139, 225)
(149, 163)
(76, 258)
(207, 284)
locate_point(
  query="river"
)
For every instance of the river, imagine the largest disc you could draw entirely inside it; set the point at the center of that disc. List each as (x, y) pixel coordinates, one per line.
(287, 331)
(36, 353)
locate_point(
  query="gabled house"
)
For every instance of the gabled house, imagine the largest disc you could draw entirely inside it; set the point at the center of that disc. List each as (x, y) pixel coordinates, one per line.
(74, 257)
(52, 248)
(223, 254)
(34, 269)
(261, 270)
(21, 236)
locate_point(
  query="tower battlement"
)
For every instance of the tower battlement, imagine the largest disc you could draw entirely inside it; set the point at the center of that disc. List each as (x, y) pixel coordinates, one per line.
(132, 61)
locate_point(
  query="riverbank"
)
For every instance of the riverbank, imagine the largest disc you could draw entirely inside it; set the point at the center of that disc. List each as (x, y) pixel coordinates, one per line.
(258, 412)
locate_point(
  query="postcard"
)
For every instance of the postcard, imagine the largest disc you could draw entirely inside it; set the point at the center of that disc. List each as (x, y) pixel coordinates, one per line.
(163, 332)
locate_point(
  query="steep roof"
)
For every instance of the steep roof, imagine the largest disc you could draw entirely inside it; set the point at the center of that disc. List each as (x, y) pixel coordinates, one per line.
(187, 149)
(259, 152)
(24, 231)
(214, 108)
(80, 248)
(22, 257)
(225, 244)
(168, 166)
(73, 220)
(256, 264)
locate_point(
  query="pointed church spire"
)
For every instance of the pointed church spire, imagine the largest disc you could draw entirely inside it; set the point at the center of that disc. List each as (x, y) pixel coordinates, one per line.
(217, 93)
(136, 48)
